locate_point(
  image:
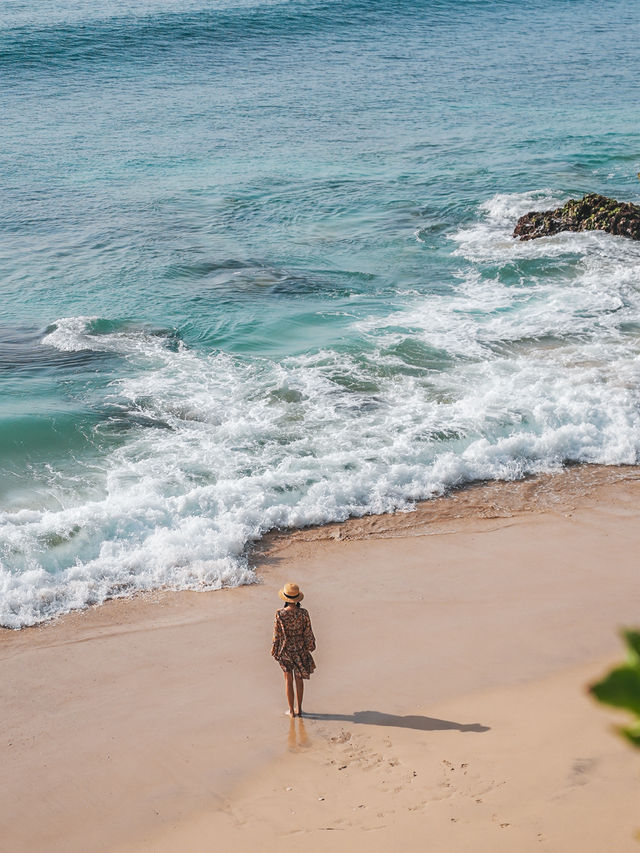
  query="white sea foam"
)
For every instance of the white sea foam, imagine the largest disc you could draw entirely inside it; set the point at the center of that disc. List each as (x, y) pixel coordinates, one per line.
(529, 375)
(75, 334)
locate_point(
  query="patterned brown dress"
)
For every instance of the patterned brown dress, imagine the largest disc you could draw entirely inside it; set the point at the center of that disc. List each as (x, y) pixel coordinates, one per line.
(293, 641)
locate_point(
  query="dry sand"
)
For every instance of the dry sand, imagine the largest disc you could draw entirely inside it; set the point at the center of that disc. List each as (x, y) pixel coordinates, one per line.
(448, 711)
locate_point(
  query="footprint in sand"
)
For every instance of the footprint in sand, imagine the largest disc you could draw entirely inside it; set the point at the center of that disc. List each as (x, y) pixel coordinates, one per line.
(343, 737)
(580, 770)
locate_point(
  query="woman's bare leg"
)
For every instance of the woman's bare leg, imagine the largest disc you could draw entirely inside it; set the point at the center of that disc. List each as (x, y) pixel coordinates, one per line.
(288, 685)
(299, 693)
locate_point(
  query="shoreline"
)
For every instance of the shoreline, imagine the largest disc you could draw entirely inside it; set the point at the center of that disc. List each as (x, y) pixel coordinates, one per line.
(558, 491)
(144, 721)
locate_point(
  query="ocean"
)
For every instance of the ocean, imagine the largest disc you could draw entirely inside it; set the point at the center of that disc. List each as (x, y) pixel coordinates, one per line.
(257, 272)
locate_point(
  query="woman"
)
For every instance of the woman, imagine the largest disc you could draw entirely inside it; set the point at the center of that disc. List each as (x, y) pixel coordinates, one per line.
(293, 642)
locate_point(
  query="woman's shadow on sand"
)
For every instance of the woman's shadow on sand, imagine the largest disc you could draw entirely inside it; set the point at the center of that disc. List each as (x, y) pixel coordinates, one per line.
(411, 721)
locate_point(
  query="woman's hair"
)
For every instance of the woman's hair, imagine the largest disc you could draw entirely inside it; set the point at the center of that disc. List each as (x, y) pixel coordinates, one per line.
(292, 604)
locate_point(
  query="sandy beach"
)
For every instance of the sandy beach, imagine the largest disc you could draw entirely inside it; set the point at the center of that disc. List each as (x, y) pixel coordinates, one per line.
(448, 711)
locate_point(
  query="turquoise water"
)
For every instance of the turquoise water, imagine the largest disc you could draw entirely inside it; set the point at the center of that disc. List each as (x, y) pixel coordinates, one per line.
(256, 270)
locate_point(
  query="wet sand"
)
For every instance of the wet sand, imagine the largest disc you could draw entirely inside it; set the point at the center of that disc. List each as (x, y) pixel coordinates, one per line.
(448, 708)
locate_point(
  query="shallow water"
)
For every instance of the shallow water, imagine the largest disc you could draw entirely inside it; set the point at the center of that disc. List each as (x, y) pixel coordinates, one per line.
(257, 272)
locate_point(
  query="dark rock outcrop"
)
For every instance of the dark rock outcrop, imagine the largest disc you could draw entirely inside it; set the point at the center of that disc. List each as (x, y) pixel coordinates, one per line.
(591, 213)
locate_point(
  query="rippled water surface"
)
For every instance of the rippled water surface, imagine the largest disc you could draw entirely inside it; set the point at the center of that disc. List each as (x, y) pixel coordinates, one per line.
(257, 270)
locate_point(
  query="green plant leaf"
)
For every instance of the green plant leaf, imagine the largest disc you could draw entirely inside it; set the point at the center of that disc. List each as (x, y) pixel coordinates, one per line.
(632, 733)
(633, 642)
(620, 688)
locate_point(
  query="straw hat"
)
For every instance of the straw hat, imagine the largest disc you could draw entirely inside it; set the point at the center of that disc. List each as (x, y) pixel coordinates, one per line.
(291, 592)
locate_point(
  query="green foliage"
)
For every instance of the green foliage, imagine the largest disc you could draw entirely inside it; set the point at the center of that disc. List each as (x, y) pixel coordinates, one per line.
(621, 687)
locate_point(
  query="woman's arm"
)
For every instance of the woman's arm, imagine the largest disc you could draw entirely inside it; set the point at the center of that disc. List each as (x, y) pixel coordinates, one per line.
(278, 637)
(309, 639)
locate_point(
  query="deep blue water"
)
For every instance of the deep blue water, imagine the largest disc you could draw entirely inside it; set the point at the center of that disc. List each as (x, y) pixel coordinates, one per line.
(257, 270)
